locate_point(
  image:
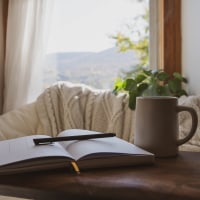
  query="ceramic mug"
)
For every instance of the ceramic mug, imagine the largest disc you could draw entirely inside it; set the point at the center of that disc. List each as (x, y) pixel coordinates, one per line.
(157, 127)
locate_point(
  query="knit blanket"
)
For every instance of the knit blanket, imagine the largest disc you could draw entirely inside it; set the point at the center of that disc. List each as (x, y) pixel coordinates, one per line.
(185, 123)
(67, 106)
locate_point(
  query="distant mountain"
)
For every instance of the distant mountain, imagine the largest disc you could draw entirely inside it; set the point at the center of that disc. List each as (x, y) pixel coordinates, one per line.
(104, 58)
(98, 69)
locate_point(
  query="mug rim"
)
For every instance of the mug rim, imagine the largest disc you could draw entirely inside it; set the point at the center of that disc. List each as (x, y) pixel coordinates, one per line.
(157, 97)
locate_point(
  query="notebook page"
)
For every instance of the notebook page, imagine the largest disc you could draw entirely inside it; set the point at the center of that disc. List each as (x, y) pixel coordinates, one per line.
(100, 146)
(23, 148)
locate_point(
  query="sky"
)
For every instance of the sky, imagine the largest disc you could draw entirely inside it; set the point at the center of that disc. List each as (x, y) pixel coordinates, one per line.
(86, 25)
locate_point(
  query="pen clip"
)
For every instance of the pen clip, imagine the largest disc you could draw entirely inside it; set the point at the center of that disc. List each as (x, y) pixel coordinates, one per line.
(42, 143)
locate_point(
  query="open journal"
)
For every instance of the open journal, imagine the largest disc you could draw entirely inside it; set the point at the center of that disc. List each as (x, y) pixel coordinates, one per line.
(22, 155)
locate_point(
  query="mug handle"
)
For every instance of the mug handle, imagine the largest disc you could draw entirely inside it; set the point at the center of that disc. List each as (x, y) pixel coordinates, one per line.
(194, 123)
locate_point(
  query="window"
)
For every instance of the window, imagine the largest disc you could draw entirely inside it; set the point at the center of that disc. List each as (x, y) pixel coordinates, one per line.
(81, 47)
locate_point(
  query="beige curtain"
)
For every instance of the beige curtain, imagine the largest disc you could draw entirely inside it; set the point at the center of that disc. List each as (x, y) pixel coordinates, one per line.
(27, 24)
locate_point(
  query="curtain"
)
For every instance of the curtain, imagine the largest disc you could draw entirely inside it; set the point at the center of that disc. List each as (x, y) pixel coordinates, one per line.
(27, 29)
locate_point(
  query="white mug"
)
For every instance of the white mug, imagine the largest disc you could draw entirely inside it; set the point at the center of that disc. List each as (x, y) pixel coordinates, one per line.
(156, 125)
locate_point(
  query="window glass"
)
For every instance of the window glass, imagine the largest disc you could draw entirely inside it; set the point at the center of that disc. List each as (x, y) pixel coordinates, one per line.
(82, 45)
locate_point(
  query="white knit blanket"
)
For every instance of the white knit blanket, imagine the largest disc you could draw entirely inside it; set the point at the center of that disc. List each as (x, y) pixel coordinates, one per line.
(66, 106)
(186, 122)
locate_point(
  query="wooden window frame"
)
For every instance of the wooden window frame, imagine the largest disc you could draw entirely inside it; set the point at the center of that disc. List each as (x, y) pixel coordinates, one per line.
(172, 35)
(165, 35)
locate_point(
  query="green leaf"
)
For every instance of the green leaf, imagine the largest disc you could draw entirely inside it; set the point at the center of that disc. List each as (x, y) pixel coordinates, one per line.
(142, 87)
(184, 80)
(115, 91)
(154, 72)
(182, 92)
(148, 72)
(178, 76)
(174, 85)
(150, 91)
(130, 85)
(119, 83)
(139, 78)
(132, 100)
(162, 90)
(162, 76)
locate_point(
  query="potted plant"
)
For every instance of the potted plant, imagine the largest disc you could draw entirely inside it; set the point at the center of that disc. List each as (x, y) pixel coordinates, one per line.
(148, 82)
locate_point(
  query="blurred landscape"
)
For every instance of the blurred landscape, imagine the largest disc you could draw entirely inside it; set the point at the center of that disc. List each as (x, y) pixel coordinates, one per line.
(96, 69)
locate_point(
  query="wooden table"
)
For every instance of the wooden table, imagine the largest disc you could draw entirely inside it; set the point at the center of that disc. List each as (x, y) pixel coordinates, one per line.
(173, 178)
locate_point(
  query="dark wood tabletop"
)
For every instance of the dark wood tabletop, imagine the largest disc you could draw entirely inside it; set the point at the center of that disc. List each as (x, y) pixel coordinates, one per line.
(175, 178)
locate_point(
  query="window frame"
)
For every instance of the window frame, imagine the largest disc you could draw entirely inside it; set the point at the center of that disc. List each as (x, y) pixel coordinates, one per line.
(165, 35)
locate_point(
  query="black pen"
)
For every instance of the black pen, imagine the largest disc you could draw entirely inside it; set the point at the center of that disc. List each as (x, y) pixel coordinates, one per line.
(39, 141)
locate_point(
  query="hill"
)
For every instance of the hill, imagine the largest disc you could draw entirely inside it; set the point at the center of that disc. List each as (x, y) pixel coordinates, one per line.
(96, 69)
